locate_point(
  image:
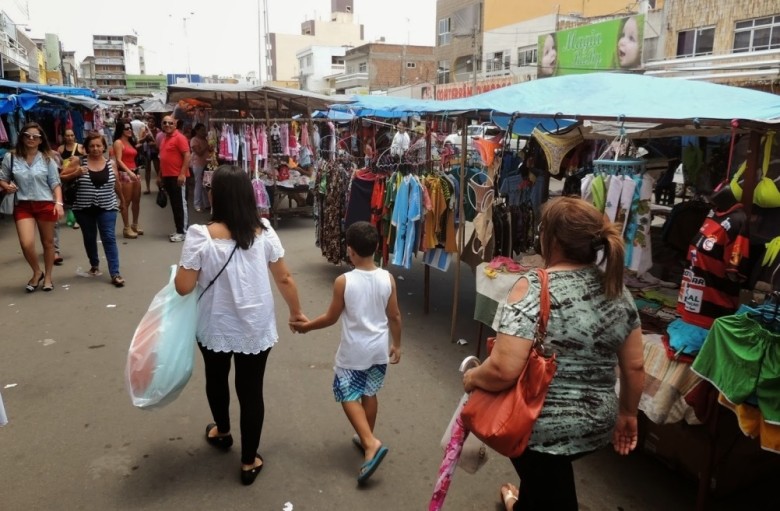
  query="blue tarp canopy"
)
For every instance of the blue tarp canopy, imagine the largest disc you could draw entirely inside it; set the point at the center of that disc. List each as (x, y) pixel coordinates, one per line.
(49, 89)
(395, 107)
(598, 96)
(10, 102)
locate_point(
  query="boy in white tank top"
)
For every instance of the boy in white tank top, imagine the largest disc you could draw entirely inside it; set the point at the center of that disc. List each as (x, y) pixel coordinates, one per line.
(365, 300)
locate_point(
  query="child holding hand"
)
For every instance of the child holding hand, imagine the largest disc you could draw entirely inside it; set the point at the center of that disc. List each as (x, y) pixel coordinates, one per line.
(365, 300)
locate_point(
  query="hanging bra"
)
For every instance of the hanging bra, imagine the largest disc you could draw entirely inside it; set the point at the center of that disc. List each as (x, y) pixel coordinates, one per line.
(555, 147)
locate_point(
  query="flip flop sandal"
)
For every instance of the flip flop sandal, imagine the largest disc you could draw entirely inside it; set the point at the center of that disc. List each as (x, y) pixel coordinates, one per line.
(368, 468)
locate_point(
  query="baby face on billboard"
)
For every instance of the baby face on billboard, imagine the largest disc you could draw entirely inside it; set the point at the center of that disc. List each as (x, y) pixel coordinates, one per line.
(629, 44)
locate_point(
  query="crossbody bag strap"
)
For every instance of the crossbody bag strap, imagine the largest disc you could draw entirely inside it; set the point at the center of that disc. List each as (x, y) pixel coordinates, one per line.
(220, 272)
(544, 307)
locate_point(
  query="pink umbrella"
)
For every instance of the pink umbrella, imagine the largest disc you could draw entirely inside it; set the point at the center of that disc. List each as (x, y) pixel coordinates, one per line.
(452, 451)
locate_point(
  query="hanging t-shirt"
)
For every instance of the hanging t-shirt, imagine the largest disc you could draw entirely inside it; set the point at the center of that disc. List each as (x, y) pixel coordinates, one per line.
(707, 290)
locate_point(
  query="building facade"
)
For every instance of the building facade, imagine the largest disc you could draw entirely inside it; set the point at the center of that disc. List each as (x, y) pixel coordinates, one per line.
(482, 44)
(316, 64)
(339, 30)
(144, 85)
(378, 67)
(18, 53)
(723, 41)
(116, 56)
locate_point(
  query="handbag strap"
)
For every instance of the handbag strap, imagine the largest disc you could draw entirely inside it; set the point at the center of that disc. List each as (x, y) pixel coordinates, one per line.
(220, 272)
(544, 307)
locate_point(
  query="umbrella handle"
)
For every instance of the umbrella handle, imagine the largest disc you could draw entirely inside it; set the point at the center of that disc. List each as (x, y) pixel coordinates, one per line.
(468, 363)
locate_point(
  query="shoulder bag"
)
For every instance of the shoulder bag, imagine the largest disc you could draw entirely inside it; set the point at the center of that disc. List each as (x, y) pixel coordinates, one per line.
(504, 420)
(8, 201)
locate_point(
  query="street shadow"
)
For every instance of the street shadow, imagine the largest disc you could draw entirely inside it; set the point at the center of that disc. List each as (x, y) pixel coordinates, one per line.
(170, 474)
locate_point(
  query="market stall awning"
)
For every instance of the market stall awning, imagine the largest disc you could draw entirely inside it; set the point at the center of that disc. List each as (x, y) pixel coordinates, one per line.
(599, 96)
(278, 101)
(10, 102)
(49, 89)
(629, 97)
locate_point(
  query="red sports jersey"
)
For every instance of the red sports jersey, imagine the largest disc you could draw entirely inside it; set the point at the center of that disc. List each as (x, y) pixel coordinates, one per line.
(710, 286)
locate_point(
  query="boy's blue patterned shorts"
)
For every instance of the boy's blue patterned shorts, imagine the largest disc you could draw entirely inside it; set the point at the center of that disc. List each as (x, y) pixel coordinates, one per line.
(352, 384)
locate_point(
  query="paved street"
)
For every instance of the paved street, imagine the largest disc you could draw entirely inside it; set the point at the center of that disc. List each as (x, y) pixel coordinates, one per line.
(75, 442)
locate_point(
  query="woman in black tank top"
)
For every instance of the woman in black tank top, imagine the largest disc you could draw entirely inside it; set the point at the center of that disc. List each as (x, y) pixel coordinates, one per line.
(70, 147)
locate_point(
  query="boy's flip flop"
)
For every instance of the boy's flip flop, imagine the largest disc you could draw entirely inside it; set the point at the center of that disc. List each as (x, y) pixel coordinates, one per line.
(369, 467)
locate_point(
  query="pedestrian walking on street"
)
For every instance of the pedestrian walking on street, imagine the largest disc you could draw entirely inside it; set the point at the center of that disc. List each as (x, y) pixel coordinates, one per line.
(174, 152)
(200, 155)
(152, 154)
(98, 198)
(30, 172)
(126, 148)
(593, 325)
(365, 300)
(233, 258)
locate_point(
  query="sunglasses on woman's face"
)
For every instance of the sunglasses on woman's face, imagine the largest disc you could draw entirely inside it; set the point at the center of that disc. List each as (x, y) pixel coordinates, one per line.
(168, 123)
(128, 128)
(31, 136)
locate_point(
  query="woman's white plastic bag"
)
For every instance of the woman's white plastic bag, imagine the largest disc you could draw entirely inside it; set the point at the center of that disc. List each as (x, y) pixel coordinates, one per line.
(162, 352)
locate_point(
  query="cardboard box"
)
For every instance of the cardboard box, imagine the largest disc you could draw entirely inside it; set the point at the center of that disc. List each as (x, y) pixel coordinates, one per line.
(737, 460)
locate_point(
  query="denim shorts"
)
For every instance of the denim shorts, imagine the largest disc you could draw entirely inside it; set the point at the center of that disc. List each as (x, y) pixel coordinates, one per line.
(352, 384)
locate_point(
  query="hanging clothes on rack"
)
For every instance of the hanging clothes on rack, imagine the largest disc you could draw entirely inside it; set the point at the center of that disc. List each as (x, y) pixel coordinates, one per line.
(557, 146)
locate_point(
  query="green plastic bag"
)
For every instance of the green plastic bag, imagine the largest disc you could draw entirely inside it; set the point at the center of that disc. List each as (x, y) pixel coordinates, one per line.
(70, 219)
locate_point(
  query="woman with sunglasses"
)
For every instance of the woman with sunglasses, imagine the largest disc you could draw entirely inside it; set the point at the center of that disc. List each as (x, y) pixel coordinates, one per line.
(30, 172)
(98, 194)
(125, 152)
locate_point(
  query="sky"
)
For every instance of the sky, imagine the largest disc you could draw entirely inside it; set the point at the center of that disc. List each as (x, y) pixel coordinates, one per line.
(222, 35)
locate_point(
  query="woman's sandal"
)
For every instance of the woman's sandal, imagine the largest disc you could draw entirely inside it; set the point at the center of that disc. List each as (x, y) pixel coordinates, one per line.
(117, 280)
(509, 494)
(223, 442)
(33, 285)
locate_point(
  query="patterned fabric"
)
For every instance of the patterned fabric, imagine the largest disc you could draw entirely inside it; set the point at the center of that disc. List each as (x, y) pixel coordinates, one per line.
(585, 330)
(352, 384)
(333, 243)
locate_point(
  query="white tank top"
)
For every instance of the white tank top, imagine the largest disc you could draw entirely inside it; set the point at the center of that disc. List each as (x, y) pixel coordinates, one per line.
(364, 330)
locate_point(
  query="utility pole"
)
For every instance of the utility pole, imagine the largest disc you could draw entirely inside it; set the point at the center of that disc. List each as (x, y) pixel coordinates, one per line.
(474, 60)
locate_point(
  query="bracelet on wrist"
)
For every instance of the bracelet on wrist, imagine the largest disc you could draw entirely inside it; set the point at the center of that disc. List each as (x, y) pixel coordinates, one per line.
(59, 204)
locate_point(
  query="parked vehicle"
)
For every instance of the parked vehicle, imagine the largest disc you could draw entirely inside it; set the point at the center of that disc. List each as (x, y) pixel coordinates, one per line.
(485, 130)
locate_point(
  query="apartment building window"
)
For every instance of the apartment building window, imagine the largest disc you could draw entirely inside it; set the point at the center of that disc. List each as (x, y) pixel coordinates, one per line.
(526, 56)
(300, 63)
(362, 67)
(411, 65)
(757, 34)
(337, 61)
(497, 61)
(445, 32)
(699, 41)
(443, 72)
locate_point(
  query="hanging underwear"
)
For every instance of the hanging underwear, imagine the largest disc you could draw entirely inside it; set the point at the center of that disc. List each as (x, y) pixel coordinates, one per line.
(556, 147)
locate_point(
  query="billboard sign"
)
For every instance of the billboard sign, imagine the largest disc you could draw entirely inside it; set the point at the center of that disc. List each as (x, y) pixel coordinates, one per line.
(606, 46)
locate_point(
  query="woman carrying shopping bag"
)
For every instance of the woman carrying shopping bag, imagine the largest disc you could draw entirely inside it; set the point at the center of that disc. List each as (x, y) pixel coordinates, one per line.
(593, 325)
(234, 258)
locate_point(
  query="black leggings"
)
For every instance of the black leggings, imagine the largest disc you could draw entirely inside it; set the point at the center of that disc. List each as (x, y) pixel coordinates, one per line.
(546, 481)
(250, 370)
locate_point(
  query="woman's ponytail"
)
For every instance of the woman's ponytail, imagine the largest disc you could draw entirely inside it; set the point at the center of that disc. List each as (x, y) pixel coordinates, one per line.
(614, 253)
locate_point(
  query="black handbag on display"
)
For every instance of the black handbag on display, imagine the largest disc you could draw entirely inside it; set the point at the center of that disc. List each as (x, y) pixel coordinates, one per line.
(162, 198)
